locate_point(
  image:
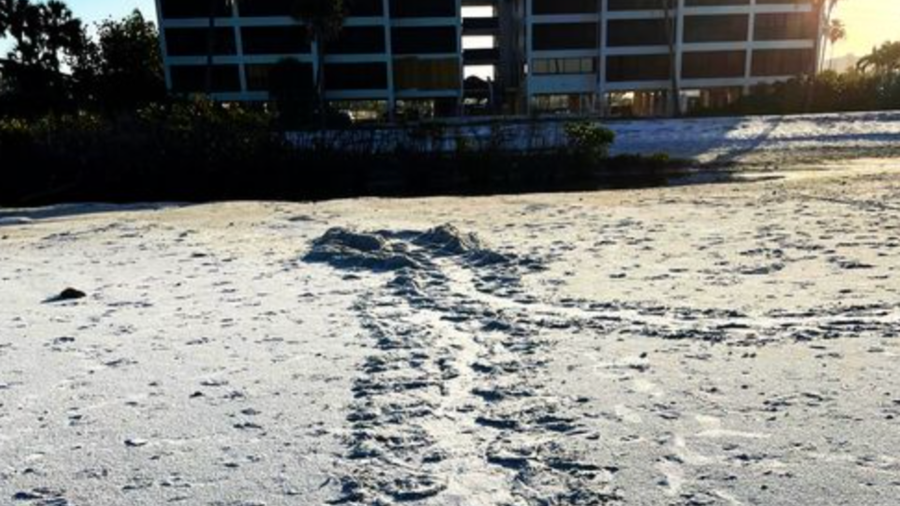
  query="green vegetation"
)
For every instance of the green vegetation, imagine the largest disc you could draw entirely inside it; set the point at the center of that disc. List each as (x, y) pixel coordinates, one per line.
(873, 85)
(589, 142)
(55, 67)
(199, 151)
(324, 20)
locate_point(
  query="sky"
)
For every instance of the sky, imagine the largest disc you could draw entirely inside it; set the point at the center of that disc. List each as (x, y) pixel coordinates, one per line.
(93, 11)
(869, 22)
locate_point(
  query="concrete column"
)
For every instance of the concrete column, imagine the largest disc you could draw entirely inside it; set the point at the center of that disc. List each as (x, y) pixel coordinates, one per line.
(679, 47)
(162, 45)
(314, 48)
(239, 42)
(603, 23)
(460, 108)
(528, 57)
(392, 94)
(748, 62)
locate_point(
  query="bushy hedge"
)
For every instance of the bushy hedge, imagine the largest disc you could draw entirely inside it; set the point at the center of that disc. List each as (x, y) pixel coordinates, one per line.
(200, 151)
(188, 150)
(826, 92)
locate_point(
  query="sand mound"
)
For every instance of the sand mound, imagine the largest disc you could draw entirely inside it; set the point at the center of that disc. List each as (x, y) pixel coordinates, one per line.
(347, 249)
(389, 251)
(449, 240)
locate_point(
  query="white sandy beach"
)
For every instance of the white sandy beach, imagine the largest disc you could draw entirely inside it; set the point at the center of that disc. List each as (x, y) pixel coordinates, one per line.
(730, 344)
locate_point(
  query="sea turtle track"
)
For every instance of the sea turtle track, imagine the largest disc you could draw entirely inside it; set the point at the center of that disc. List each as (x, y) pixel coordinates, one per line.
(450, 406)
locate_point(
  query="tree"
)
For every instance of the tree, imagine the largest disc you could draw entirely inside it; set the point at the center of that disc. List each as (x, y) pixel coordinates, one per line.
(823, 10)
(55, 66)
(291, 88)
(12, 18)
(324, 20)
(130, 64)
(44, 35)
(834, 33)
(12, 22)
(883, 60)
(671, 28)
(62, 31)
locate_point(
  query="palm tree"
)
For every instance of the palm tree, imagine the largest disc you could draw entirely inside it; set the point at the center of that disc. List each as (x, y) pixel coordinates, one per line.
(324, 20)
(824, 12)
(62, 31)
(211, 41)
(7, 13)
(834, 33)
(13, 19)
(883, 60)
(41, 32)
(671, 29)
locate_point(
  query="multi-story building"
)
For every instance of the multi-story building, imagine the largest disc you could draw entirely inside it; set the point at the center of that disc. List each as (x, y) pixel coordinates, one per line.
(516, 56)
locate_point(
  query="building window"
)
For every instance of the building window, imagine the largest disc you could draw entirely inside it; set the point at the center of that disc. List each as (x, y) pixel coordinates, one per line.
(423, 8)
(426, 74)
(713, 64)
(654, 67)
(258, 77)
(180, 9)
(355, 76)
(715, 3)
(785, 26)
(192, 78)
(263, 8)
(637, 5)
(195, 41)
(730, 28)
(638, 32)
(564, 66)
(562, 36)
(782, 62)
(358, 40)
(274, 40)
(288, 74)
(566, 104)
(283, 8)
(424, 40)
(546, 7)
(365, 8)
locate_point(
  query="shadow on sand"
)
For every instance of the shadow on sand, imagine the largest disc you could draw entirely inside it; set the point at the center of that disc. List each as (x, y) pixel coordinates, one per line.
(24, 216)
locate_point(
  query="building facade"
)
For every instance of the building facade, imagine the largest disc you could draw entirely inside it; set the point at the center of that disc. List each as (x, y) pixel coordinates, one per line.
(450, 57)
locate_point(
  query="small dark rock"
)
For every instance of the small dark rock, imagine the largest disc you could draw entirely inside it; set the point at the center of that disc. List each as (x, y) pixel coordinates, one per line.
(26, 496)
(68, 294)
